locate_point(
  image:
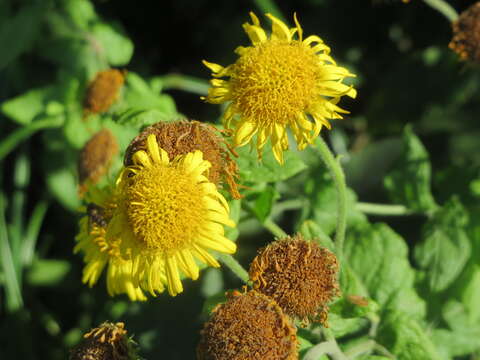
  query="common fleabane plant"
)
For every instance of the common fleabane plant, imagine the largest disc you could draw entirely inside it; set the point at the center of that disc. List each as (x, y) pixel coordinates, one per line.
(169, 210)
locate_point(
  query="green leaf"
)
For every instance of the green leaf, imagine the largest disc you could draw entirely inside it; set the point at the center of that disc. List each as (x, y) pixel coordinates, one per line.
(14, 300)
(344, 326)
(212, 282)
(24, 108)
(268, 170)
(117, 48)
(321, 191)
(379, 258)
(406, 338)
(311, 231)
(461, 337)
(18, 33)
(408, 183)
(47, 272)
(81, 12)
(446, 247)
(139, 96)
(235, 210)
(262, 203)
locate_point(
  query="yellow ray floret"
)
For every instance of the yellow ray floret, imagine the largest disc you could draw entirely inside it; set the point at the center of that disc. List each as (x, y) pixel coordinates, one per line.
(167, 220)
(281, 81)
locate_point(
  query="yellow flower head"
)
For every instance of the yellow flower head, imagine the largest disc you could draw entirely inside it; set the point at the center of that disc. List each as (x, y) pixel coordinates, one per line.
(168, 215)
(160, 218)
(282, 81)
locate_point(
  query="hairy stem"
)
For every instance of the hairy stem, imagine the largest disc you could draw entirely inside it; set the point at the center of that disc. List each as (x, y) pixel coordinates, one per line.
(383, 209)
(338, 176)
(230, 262)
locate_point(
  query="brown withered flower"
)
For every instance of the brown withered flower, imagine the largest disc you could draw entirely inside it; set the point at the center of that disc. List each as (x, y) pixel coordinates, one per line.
(103, 91)
(466, 34)
(109, 341)
(95, 158)
(184, 136)
(248, 326)
(299, 275)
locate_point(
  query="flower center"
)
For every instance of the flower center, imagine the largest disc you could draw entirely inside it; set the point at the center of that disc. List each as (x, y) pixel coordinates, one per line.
(274, 81)
(165, 207)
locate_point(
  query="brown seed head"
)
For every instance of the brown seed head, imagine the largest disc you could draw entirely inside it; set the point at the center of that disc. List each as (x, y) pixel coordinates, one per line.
(301, 276)
(248, 326)
(107, 342)
(103, 91)
(466, 34)
(182, 137)
(95, 158)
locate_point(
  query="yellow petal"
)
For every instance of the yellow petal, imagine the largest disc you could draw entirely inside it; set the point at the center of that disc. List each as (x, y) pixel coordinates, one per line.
(279, 29)
(174, 284)
(217, 243)
(190, 267)
(141, 158)
(152, 147)
(245, 132)
(204, 256)
(216, 68)
(299, 28)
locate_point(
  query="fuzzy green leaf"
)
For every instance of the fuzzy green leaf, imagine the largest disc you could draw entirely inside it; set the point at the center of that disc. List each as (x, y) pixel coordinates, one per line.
(321, 191)
(117, 48)
(446, 247)
(408, 183)
(268, 169)
(262, 203)
(379, 258)
(406, 338)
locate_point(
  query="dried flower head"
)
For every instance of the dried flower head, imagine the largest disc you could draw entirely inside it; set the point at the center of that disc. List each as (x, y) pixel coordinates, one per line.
(95, 158)
(301, 276)
(466, 34)
(109, 341)
(103, 91)
(182, 137)
(248, 326)
(279, 82)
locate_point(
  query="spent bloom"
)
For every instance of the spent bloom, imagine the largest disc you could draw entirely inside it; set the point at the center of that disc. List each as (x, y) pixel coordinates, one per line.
(281, 81)
(166, 214)
(466, 34)
(103, 91)
(248, 326)
(96, 157)
(299, 275)
(182, 137)
(109, 341)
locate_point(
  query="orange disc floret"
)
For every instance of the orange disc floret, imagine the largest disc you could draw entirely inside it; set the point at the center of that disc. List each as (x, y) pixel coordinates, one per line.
(248, 326)
(299, 275)
(95, 158)
(107, 342)
(103, 91)
(182, 137)
(466, 34)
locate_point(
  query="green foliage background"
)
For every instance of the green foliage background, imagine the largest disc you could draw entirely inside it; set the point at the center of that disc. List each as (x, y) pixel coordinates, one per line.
(410, 143)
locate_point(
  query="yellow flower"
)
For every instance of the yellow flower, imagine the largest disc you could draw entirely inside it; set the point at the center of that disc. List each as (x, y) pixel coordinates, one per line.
(168, 216)
(160, 218)
(277, 83)
(100, 250)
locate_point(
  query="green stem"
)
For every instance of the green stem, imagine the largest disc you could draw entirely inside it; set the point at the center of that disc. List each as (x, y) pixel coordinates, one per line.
(329, 347)
(338, 176)
(13, 296)
(234, 266)
(443, 8)
(291, 204)
(17, 136)
(185, 83)
(274, 228)
(383, 209)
